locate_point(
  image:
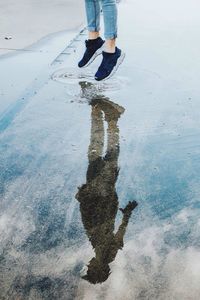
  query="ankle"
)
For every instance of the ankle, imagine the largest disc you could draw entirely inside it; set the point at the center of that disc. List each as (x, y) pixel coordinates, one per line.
(93, 35)
(110, 50)
(110, 46)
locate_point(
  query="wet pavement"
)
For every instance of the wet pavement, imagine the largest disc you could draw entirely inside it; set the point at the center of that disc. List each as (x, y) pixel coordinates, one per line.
(99, 182)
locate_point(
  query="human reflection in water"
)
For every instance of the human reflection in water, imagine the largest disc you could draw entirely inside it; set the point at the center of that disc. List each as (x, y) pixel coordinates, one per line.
(98, 198)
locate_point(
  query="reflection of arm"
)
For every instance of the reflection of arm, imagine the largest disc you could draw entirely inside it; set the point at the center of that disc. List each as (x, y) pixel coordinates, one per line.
(127, 211)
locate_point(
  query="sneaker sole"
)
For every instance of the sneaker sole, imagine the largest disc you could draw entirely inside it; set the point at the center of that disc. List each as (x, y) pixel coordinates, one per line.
(97, 53)
(119, 62)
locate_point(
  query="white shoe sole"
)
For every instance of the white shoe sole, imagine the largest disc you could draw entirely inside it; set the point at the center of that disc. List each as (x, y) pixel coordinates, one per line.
(97, 53)
(119, 62)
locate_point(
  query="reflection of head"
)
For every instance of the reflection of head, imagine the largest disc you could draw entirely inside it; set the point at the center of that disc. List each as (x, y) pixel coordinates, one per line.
(98, 271)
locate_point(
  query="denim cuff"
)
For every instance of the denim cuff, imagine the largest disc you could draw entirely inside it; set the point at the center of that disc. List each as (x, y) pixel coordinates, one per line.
(110, 36)
(93, 29)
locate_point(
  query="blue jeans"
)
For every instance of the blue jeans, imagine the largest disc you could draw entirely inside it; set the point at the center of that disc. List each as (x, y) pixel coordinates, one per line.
(109, 8)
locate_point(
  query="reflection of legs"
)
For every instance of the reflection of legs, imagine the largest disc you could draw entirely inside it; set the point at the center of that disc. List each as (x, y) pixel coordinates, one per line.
(113, 139)
(112, 112)
(97, 134)
(112, 153)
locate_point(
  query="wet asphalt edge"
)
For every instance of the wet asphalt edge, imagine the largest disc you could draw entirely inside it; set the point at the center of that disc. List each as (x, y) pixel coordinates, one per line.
(9, 115)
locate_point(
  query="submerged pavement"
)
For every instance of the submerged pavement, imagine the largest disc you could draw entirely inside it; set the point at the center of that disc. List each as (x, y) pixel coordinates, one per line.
(99, 182)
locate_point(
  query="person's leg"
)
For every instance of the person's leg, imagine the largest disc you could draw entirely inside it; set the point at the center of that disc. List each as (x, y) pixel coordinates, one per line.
(94, 43)
(112, 56)
(109, 8)
(93, 18)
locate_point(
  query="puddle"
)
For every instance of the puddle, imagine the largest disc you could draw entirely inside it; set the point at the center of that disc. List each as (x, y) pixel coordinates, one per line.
(70, 173)
(72, 76)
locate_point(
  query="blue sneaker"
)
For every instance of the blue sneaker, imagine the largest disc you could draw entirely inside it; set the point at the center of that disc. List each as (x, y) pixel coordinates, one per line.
(110, 64)
(93, 49)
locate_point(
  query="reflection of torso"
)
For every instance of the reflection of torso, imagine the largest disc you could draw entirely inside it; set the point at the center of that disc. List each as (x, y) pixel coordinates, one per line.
(98, 216)
(99, 203)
